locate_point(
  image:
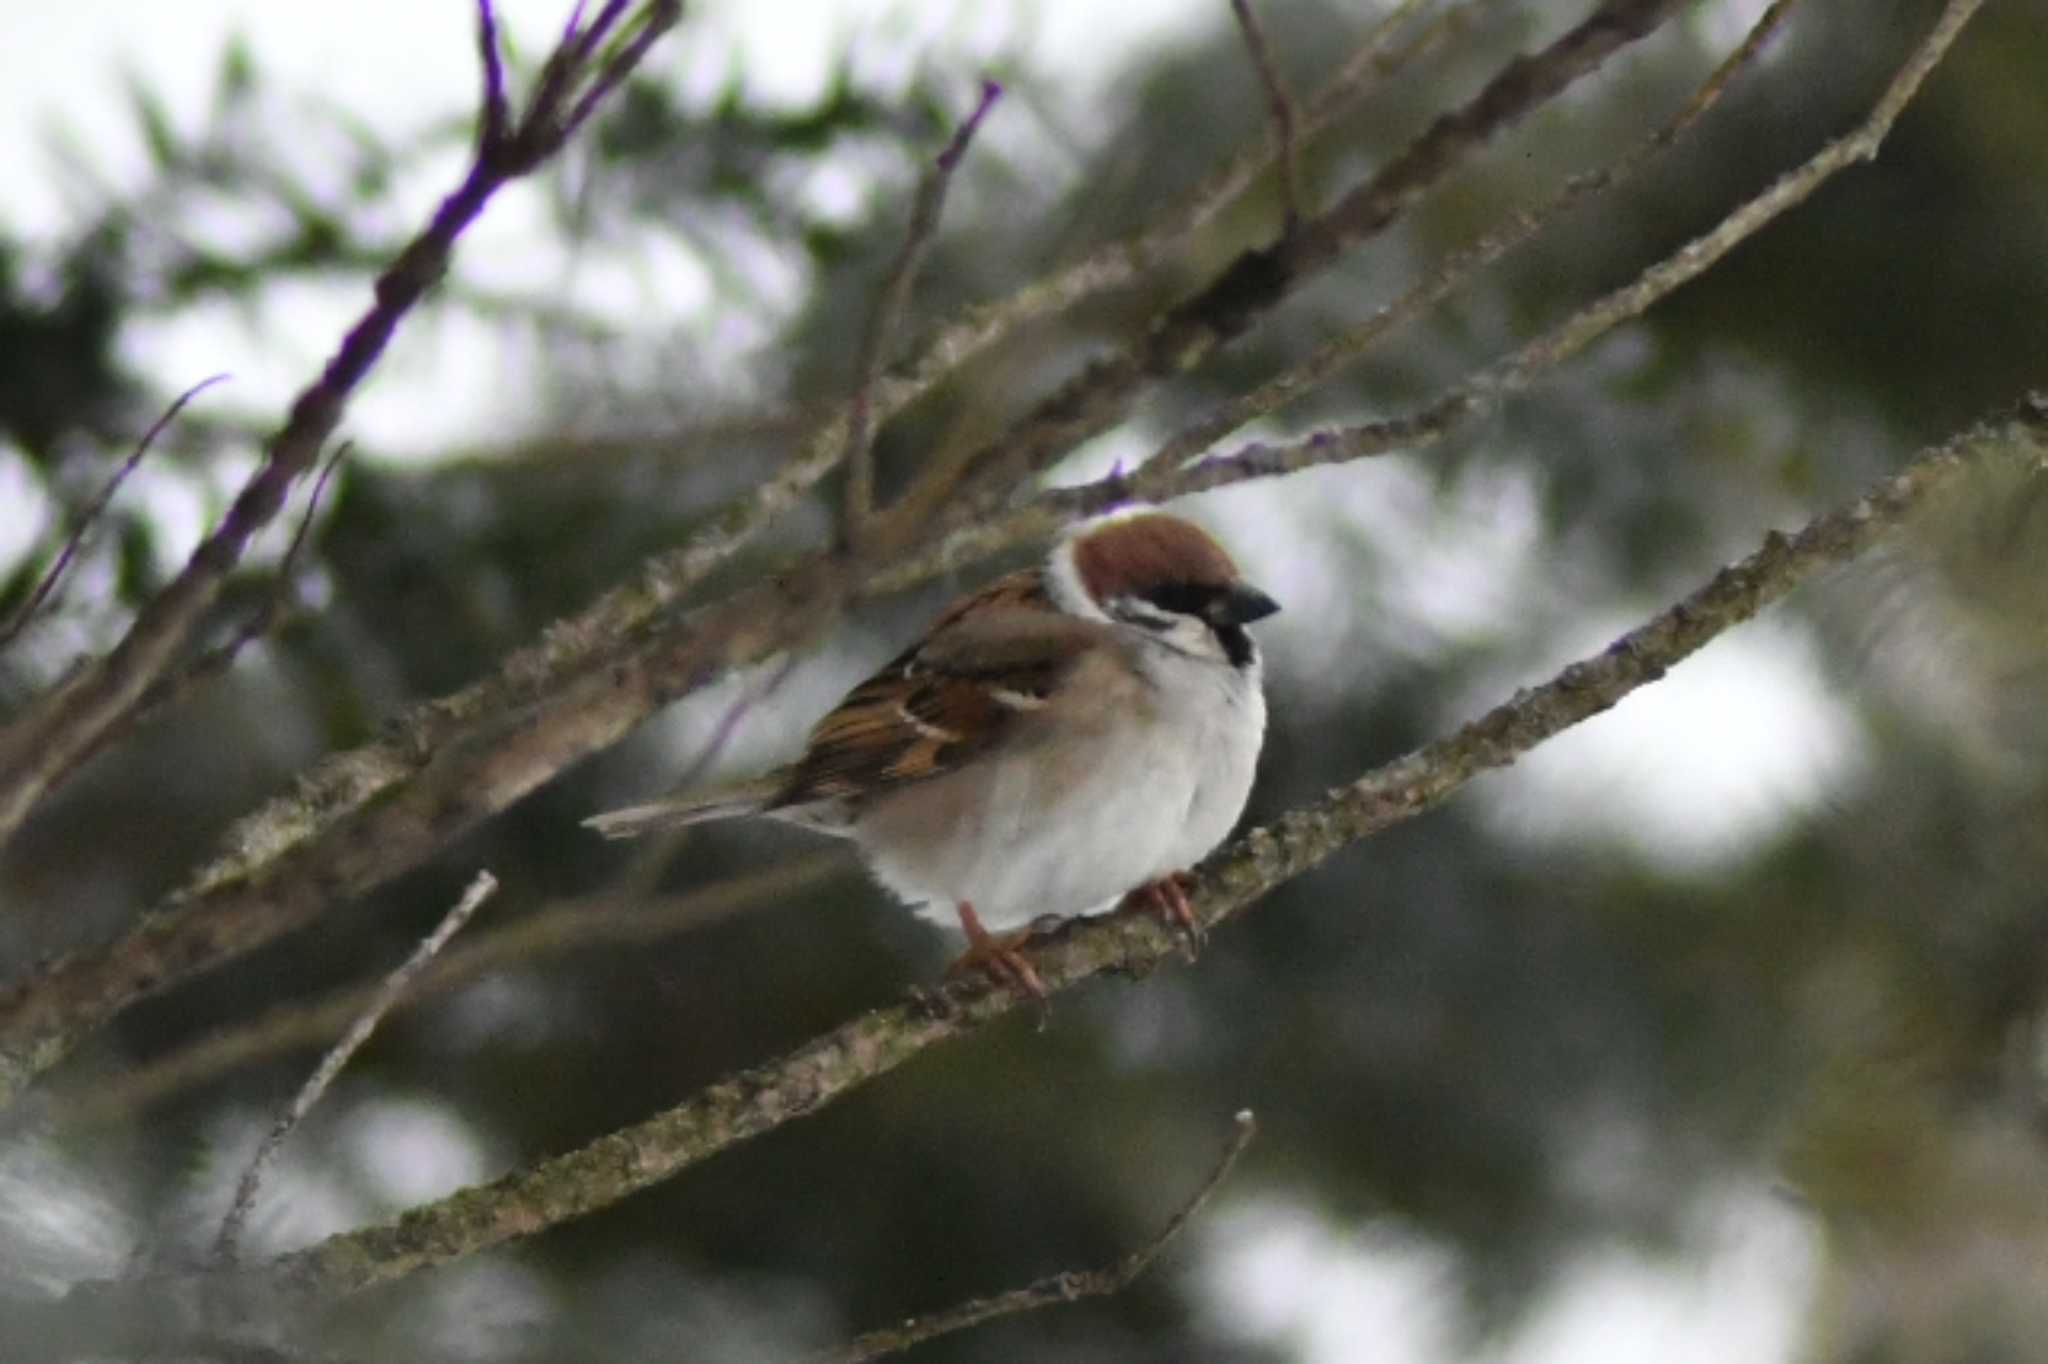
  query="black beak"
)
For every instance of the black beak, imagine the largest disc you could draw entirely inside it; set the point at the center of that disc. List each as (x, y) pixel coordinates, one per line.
(1241, 604)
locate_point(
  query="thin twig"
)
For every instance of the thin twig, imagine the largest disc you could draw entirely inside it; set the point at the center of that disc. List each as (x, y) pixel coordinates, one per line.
(802, 1081)
(495, 114)
(656, 20)
(587, 40)
(1068, 1286)
(173, 687)
(1459, 268)
(1788, 191)
(668, 577)
(729, 723)
(227, 1245)
(1516, 371)
(558, 73)
(43, 742)
(97, 508)
(1162, 480)
(1247, 290)
(620, 914)
(925, 208)
(1279, 106)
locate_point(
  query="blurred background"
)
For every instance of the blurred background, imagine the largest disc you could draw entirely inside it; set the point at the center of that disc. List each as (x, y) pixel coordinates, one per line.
(1711, 1031)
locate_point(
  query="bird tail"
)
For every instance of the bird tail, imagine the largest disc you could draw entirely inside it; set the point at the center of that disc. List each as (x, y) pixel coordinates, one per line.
(674, 812)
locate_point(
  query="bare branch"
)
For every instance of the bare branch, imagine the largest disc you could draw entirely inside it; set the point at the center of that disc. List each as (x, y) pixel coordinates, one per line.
(494, 114)
(1566, 340)
(1258, 280)
(96, 509)
(1789, 191)
(173, 687)
(802, 1081)
(1068, 1286)
(729, 722)
(925, 208)
(668, 577)
(227, 1245)
(1163, 478)
(654, 21)
(468, 755)
(46, 740)
(615, 915)
(1278, 105)
(1459, 268)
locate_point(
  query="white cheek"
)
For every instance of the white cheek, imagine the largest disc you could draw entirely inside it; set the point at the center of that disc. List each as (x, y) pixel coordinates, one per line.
(1190, 636)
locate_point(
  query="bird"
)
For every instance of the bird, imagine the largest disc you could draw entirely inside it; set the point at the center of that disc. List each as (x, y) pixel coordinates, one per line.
(1069, 737)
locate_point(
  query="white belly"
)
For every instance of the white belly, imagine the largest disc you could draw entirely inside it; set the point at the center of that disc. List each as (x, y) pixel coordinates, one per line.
(1067, 828)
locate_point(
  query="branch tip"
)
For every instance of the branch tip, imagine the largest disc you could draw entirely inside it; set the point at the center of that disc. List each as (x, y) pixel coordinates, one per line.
(949, 156)
(97, 507)
(47, 739)
(494, 115)
(1279, 108)
(227, 1244)
(1068, 1285)
(858, 514)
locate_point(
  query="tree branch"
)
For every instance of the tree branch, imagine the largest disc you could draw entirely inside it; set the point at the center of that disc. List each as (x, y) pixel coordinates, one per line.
(227, 1244)
(1259, 279)
(1459, 268)
(614, 916)
(45, 741)
(1279, 106)
(365, 816)
(802, 1081)
(95, 509)
(1067, 1286)
(925, 208)
(1164, 477)
(175, 685)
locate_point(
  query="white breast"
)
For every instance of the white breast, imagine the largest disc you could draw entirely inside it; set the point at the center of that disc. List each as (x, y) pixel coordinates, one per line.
(1069, 823)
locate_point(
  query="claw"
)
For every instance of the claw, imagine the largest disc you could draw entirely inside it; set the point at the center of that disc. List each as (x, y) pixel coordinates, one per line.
(1168, 898)
(997, 957)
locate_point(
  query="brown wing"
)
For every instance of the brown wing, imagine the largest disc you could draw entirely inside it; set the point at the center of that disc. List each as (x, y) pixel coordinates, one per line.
(988, 663)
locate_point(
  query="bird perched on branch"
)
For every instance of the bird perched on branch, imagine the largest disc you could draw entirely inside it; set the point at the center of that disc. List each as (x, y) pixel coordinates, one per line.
(1068, 736)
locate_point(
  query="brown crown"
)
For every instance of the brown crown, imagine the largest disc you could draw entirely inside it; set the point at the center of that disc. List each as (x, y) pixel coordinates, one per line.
(1133, 555)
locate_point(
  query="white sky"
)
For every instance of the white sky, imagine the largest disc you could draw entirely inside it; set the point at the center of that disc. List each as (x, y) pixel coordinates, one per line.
(1768, 738)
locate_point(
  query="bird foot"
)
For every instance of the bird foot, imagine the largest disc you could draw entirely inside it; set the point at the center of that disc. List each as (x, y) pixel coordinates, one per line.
(996, 956)
(1167, 898)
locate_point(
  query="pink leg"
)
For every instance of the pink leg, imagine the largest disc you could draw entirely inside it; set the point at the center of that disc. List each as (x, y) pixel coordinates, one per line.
(1168, 899)
(997, 956)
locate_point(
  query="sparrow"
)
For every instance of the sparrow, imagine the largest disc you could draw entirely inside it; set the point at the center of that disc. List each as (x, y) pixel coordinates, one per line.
(1068, 737)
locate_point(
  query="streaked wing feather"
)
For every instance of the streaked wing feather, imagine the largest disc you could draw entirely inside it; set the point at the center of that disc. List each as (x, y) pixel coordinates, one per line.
(989, 662)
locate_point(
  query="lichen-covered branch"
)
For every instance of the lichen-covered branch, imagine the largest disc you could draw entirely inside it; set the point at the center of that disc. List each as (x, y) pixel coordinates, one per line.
(45, 740)
(802, 1081)
(366, 816)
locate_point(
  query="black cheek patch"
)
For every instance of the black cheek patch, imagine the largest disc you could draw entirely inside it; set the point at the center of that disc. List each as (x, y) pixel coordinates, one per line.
(1186, 599)
(1236, 642)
